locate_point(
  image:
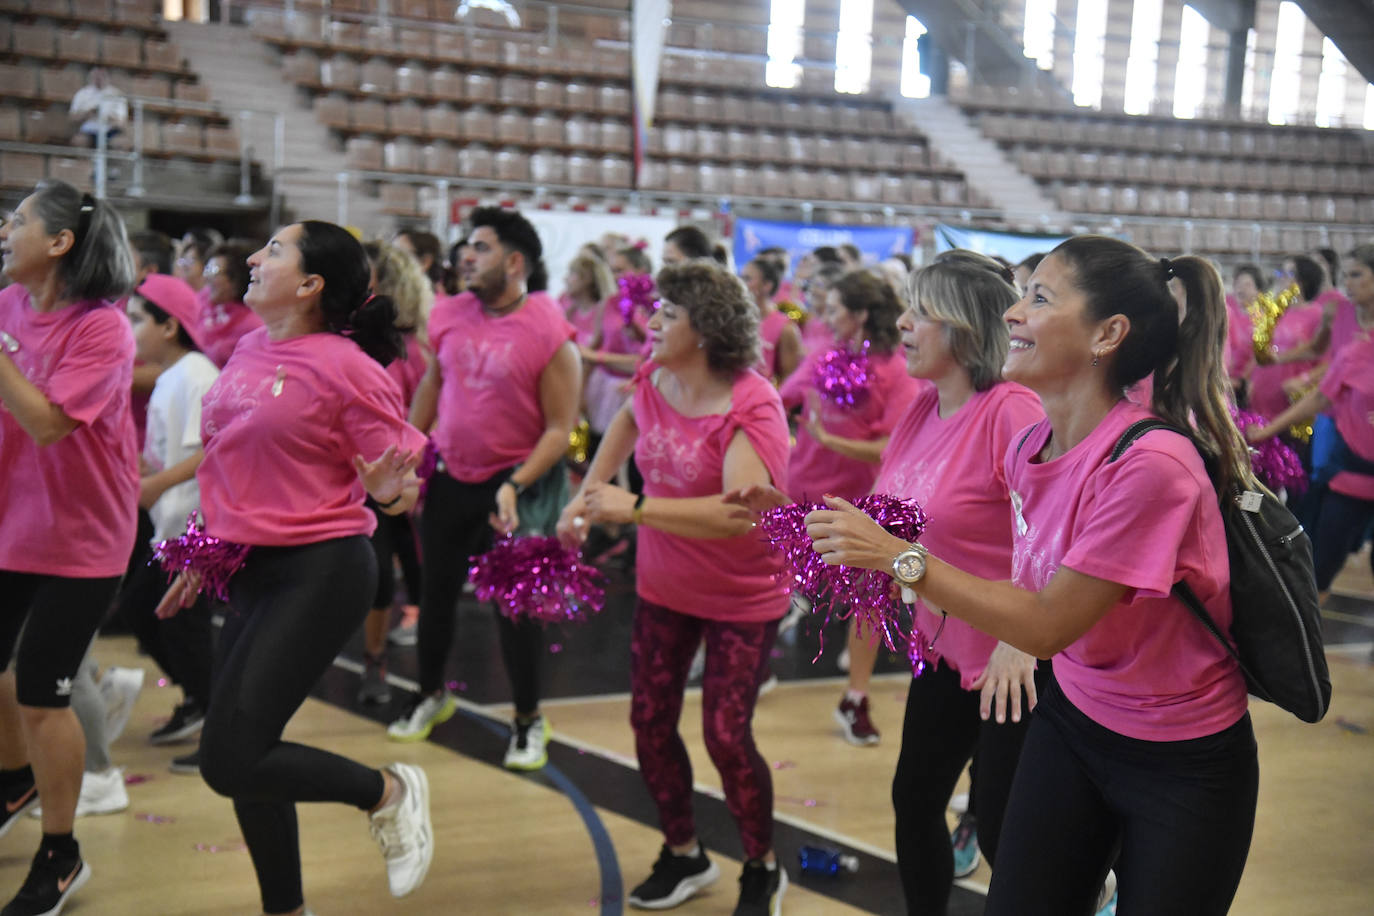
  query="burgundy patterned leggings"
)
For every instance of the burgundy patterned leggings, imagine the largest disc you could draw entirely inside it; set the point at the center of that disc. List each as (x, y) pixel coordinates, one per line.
(661, 651)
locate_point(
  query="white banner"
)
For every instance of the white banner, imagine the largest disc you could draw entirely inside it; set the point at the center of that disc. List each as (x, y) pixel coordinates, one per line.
(646, 53)
(562, 233)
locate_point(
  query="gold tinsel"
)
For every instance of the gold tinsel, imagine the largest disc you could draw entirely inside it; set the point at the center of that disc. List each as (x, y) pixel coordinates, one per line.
(1302, 432)
(793, 311)
(1265, 313)
(579, 440)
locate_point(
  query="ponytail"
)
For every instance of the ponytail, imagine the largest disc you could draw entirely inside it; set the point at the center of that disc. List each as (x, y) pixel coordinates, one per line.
(339, 259)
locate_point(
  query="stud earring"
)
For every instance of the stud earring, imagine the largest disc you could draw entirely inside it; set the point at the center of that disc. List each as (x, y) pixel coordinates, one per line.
(1095, 358)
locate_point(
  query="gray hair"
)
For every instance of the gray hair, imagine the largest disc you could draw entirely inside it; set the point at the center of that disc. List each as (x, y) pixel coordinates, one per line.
(968, 294)
(98, 265)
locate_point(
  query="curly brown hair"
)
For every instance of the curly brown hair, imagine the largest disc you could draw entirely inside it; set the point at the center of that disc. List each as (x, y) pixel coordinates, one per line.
(861, 291)
(719, 309)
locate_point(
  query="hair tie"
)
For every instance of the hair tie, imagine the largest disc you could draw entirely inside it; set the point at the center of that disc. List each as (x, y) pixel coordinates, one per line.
(1166, 267)
(83, 220)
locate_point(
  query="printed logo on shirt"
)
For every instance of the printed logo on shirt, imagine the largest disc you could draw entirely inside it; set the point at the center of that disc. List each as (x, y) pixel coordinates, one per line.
(234, 396)
(918, 479)
(665, 457)
(482, 364)
(64, 686)
(1035, 551)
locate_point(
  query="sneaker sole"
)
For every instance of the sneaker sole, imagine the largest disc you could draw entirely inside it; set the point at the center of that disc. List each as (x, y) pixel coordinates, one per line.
(405, 642)
(529, 766)
(443, 715)
(965, 872)
(776, 909)
(849, 735)
(417, 782)
(685, 890)
(177, 736)
(77, 883)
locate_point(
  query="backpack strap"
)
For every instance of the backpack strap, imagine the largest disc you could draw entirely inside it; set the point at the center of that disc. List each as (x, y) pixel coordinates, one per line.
(1029, 433)
(1138, 429)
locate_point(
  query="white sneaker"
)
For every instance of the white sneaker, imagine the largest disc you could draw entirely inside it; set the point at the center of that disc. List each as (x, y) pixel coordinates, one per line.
(698, 667)
(1106, 898)
(528, 749)
(101, 793)
(959, 803)
(420, 720)
(404, 832)
(119, 688)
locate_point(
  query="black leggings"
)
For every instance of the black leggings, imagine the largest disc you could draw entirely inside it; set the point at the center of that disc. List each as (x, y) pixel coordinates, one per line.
(291, 610)
(394, 540)
(453, 528)
(57, 616)
(183, 645)
(941, 730)
(1181, 814)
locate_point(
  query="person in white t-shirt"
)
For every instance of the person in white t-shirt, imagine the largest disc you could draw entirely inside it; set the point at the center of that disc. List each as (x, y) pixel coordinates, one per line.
(165, 320)
(95, 104)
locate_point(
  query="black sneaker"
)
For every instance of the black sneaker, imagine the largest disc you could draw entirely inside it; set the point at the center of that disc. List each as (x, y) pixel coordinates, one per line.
(673, 880)
(18, 800)
(186, 721)
(49, 884)
(186, 764)
(761, 889)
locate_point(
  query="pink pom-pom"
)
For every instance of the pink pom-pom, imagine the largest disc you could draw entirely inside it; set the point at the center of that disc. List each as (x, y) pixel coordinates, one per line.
(1273, 461)
(538, 578)
(843, 592)
(214, 559)
(636, 292)
(842, 376)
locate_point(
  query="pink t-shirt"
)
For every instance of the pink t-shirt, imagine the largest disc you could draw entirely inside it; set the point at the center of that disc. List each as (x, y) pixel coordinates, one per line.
(584, 321)
(737, 579)
(1297, 326)
(281, 425)
(407, 371)
(489, 412)
(70, 508)
(816, 335)
(1240, 342)
(1349, 385)
(815, 470)
(606, 388)
(953, 467)
(1345, 326)
(770, 332)
(221, 326)
(1147, 669)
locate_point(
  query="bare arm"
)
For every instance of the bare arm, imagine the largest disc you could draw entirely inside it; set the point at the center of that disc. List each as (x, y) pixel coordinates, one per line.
(560, 395)
(145, 377)
(789, 353)
(153, 486)
(43, 420)
(616, 446)
(1313, 403)
(424, 406)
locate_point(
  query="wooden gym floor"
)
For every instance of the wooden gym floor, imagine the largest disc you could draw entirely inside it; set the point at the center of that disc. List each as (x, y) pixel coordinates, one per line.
(574, 837)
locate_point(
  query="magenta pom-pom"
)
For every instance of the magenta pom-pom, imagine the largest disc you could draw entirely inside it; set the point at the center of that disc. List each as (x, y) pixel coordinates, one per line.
(842, 376)
(636, 294)
(538, 578)
(215, 559)
(843, 592)
(1273, 461)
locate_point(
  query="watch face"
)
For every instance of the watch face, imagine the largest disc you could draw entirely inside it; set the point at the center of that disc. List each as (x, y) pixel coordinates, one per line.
(910, 566)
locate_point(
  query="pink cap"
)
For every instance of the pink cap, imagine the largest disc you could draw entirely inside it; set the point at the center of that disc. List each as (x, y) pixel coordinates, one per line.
(175, 297)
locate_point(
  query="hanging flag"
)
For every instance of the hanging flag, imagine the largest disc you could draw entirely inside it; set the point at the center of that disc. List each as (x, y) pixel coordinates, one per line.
(649, 29)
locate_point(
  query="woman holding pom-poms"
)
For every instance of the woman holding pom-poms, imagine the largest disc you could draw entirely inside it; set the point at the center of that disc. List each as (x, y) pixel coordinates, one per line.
(701, 422)
(851, 395)
(68, 501)
(1143, 736)
(301, 426)
(975, 697)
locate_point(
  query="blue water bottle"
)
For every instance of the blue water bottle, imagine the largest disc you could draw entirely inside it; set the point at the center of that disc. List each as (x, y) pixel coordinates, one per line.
(823, 860)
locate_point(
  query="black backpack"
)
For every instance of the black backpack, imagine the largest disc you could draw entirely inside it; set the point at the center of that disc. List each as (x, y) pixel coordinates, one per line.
(1276, 622)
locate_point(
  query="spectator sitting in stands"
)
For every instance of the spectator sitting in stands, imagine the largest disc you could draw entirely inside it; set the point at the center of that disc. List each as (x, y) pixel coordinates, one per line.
(98, 104)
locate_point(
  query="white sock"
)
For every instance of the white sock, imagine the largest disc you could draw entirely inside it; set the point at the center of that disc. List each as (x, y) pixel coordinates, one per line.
(855, 696)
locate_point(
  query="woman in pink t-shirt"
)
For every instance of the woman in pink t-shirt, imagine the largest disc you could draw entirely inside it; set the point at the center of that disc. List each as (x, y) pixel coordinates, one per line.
(701, 422)
(839, 444)
(224, 317)
(1343, 507)
(397, 276)
(779, 335)
(301, 427)
(1142, 739)
(68, 500)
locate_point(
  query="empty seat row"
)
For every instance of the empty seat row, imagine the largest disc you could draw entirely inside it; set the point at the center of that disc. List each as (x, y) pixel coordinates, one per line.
(768, 146)
(776, 110)
(803, 184)
(59, 84)
(1192, 171)
(88, 46)
(109, 13)
(476, 124)
(474, 161)
(1225, 205)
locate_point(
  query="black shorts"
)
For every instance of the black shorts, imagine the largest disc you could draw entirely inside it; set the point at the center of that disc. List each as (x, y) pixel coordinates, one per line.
(57, 617)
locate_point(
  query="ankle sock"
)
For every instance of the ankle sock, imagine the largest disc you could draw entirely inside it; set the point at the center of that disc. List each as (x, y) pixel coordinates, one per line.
(62, 846)
(855, 696)
(13, 779)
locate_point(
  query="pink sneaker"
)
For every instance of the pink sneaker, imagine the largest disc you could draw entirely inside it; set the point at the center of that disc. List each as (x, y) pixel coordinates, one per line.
(854, 720)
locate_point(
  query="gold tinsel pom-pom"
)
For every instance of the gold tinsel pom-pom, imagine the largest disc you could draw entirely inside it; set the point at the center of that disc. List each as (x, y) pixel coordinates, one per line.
(1301, 432)
(793, 311)
(1265, 313)
(579, 442)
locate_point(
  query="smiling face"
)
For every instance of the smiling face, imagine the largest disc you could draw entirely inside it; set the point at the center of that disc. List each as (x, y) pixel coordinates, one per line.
(1053, 337)
(151, 340)
(27, 252)
(672, 339)
(276, 281)
(217, 277)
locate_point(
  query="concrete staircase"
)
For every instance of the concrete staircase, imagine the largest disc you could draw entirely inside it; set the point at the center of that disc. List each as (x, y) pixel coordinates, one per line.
(989, 170)
(241, 72)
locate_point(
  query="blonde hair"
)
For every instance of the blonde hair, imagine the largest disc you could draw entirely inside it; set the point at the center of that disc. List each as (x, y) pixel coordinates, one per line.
(596, 273)
(401, 279)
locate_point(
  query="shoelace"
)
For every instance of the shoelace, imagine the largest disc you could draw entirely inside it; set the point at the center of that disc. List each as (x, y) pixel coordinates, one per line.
(387, 832)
